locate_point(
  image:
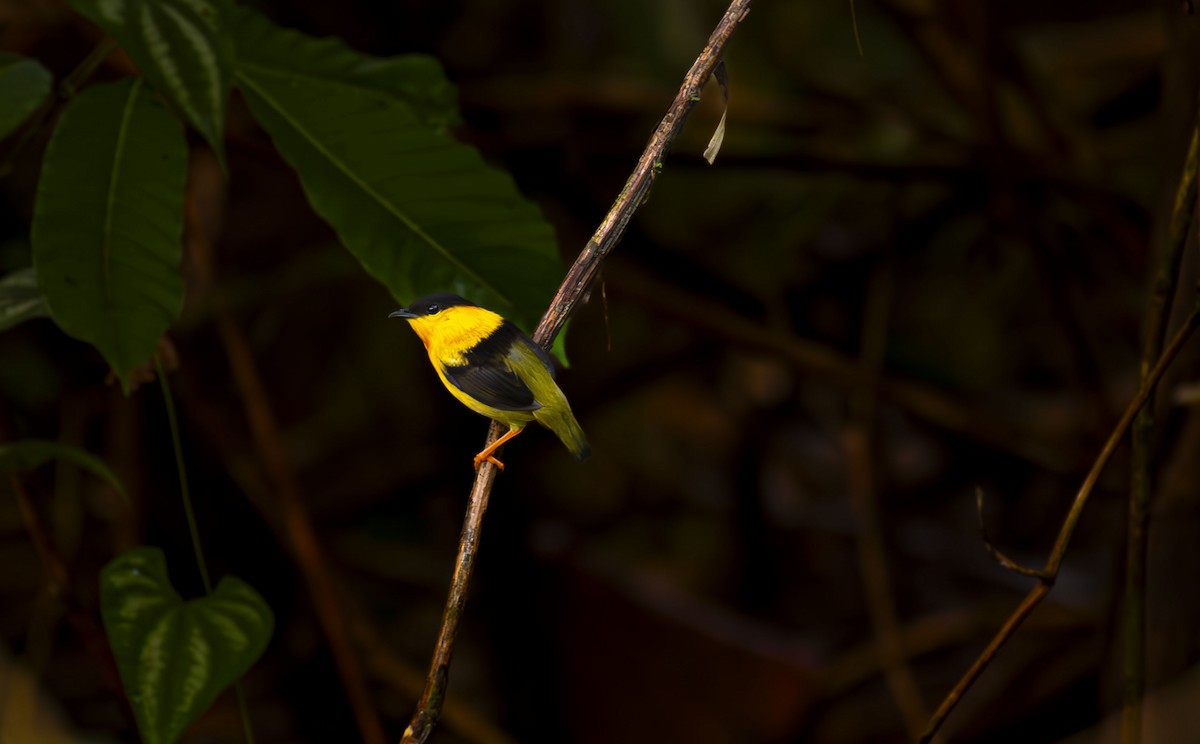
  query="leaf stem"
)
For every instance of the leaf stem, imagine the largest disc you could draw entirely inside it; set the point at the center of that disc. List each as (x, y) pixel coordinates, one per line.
(193, 527)
(75, 78)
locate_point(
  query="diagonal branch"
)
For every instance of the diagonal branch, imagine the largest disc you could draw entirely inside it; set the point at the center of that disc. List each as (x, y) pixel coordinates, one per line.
(572, 291)
(1048, 574)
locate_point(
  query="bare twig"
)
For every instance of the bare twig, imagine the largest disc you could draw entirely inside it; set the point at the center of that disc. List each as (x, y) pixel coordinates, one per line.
(854, 25)
(999, 557)
(993, 428)
(1166, 282)
(861, 487)
(572, 291)
(612, 228)
(200, 219)
(58, 587)
(1050, 571)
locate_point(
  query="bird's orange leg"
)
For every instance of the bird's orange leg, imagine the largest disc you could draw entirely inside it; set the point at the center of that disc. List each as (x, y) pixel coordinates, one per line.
(486, 454)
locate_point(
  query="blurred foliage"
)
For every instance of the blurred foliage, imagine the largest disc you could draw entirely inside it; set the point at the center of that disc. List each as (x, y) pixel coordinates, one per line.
(1006, 168)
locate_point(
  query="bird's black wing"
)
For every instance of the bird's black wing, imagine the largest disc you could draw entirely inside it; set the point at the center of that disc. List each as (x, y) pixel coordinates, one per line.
(488, 377)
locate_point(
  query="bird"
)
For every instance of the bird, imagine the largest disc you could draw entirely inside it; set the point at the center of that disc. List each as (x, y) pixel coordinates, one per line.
(494, 369)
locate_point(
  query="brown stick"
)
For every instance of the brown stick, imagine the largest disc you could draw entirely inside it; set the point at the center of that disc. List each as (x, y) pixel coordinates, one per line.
(861, 487)
(201, 216)
(83, 620)
(579, 278)
(1049, 572)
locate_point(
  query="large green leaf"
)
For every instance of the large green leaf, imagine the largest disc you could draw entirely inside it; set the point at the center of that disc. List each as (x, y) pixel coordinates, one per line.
(24, 84)
(421, 212)
(108, 222)
(182, 47)
(414, 80)
(30, 453)
(20, 299)
(175, 657)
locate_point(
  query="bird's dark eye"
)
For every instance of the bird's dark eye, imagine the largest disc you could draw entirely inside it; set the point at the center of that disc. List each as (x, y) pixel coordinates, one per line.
(432, 310)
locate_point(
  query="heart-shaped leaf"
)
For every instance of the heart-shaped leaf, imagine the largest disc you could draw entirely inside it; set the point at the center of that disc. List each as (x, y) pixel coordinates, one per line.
(30, 453)
(422, 212)
(174, 656)
(20, 299)
(107, 229)
(183, 49)
(24, 84)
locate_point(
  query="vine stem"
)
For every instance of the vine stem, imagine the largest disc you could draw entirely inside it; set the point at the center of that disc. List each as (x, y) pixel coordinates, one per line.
(1166, 282)
(193, 526)
(181, 469)
(574, 287)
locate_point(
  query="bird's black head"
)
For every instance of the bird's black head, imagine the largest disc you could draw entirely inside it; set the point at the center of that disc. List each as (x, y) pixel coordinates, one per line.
(431, 305)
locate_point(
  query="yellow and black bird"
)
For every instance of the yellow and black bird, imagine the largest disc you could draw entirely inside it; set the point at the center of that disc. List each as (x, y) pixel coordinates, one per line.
(494, 369)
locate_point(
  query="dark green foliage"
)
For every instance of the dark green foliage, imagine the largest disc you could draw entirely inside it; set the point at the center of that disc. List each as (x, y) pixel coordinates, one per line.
(108, 222)
(182, 48)
(175, 657)
(24, 84)
(30, 453)
(421, 211)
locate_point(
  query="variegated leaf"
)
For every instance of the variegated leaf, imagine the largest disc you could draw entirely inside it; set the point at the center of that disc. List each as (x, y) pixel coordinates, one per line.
(175, 657)
(182, 47)
(20, 299)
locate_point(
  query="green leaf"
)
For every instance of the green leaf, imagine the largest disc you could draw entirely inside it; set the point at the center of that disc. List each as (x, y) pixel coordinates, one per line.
(183, 49)
(24, 85)
(31, 453)
(175, 657)
(20, 299)
(108, 222)
(415, 80)
(421, 212)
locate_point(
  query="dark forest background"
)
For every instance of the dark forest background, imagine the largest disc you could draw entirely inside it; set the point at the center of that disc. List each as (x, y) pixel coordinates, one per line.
(910, 273)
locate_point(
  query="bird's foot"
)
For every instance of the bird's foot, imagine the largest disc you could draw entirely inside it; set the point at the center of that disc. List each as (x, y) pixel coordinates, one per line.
(481, 457)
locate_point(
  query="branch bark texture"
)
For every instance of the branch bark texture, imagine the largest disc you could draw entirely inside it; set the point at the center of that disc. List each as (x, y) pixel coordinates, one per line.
(573, 290)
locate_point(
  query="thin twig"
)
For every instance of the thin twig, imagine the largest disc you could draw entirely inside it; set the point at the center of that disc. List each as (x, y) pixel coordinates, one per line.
(1050, 571)
(999, 557)
(992, 428)
(861, 487)
(58, 579)
(572, 291)
(637, 187)
(1166, 282)
(854, 25)
(309, 554)
(201, 216)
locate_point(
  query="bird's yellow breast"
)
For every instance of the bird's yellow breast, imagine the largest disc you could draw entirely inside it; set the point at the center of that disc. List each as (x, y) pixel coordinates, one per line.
(450, 334)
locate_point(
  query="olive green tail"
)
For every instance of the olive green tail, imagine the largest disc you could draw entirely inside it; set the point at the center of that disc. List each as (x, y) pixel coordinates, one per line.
(562, 422)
